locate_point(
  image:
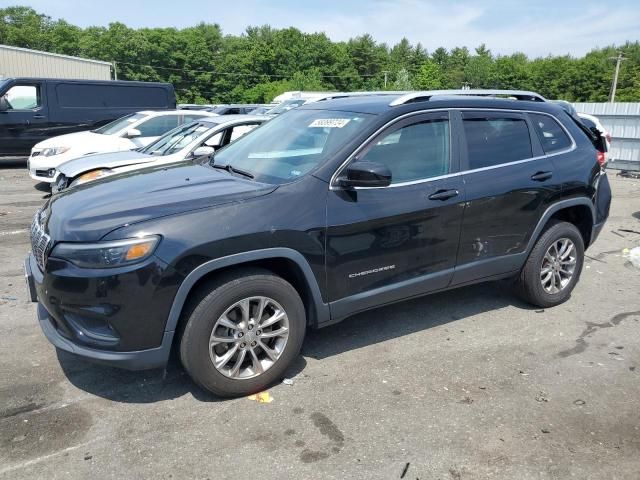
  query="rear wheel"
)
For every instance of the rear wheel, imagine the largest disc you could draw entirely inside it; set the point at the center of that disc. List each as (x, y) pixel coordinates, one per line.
(243, 334)
(553, 267)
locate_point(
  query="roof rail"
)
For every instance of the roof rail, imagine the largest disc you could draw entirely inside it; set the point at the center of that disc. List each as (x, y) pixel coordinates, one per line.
(426, 95)
(331, 96)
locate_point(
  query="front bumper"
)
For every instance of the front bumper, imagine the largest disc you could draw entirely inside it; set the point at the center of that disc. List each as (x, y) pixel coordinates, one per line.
(42, 174)
(44, 169)
(136, 360)
(76, 316)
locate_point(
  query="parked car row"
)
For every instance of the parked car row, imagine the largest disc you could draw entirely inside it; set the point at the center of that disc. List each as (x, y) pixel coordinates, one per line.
(335, 207)
(196, 139)
(74, 158)
(127, 133)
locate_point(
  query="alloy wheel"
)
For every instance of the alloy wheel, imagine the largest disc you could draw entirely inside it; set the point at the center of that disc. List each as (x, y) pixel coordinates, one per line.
(558, 266)
(249, 337)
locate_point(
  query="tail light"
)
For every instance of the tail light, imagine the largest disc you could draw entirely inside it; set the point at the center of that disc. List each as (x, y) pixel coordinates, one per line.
(600, 157)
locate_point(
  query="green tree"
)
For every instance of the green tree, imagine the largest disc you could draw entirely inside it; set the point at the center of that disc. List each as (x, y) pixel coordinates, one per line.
(429, 77)
(402, 80)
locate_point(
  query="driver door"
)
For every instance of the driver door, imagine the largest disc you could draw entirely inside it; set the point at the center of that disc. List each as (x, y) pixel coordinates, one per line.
(388, 243)
(24, 118)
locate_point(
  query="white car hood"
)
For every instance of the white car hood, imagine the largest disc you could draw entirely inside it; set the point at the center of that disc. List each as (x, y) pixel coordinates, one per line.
(75, 167)
(77, 139)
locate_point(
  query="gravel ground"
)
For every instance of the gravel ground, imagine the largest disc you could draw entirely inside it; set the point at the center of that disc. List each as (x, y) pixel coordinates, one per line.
(468, 384)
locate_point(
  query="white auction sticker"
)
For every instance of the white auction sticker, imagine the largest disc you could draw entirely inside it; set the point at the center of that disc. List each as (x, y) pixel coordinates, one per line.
(329, 122)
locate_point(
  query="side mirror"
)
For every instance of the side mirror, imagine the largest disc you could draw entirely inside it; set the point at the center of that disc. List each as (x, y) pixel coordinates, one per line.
(203, 151)
(132, 133)
(366, 174)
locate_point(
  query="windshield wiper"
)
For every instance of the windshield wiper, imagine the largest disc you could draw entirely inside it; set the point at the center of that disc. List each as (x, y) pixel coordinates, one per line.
(231, 169)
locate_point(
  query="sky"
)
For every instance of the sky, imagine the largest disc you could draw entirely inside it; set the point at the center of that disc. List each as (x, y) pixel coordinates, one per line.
(537, 28)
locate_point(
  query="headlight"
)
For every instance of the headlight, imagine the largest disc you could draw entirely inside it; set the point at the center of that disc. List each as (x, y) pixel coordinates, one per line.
(92, 175)
(48, 152)
(107, 254)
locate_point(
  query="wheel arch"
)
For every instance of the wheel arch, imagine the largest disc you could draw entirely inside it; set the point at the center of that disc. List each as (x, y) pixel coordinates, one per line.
(578, 211)
(284, 262)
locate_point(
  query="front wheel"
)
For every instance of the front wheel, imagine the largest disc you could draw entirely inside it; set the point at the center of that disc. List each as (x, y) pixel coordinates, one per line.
(244, 333)
(553, 267)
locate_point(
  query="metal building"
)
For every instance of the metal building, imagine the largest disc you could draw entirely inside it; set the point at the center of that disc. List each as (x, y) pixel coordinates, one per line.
(622, 120)
(22, 62)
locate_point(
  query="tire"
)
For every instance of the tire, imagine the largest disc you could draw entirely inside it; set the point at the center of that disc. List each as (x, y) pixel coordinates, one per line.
(530, 284)
(229, 296)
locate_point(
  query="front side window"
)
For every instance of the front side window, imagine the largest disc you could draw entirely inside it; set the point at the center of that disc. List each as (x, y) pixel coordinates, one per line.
(156, 126)
(120, 124)
(22, 97)
(291, 145)
(495, 140)
(552, 137)
(415, 152)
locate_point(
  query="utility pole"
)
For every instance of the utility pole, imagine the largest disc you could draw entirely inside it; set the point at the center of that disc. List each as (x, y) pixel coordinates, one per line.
(386, 73)
(614, 84)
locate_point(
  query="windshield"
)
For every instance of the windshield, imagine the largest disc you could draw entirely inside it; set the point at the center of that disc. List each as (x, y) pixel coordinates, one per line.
(259, 110)
(286, 106)
(177, 139)
(119, 124)
(292, 144)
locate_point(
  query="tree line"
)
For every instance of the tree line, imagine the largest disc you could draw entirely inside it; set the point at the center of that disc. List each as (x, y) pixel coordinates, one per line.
(206, 66)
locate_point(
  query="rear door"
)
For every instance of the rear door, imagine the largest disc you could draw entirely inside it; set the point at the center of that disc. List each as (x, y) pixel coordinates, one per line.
(23, 117)
(385, 244)
(509, 183)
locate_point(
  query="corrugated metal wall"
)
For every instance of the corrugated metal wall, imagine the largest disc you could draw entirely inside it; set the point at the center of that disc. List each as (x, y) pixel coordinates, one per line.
(622, 120)
(21, 62)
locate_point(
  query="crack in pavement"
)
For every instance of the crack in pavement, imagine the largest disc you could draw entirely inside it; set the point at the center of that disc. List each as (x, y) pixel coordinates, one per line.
(582, 344)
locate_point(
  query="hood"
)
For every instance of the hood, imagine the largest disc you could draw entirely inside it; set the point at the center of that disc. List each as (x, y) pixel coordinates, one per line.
(75, 167)
(88, 212)
(77, 138)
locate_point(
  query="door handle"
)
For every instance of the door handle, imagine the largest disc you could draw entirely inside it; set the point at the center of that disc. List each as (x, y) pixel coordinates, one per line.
(541, 176)
(37, 115)
(444, 194)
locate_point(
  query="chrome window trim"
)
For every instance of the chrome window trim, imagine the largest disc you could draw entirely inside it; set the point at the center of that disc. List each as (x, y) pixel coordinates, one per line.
(333, 186)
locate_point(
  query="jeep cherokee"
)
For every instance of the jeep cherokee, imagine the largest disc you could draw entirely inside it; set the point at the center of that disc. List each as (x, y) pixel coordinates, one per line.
(331, 209)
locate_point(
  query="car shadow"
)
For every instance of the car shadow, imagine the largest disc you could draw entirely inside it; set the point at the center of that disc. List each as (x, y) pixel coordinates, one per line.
(356, 332)
(147, 386)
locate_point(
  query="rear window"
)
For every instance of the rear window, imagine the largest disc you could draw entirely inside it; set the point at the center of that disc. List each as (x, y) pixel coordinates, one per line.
(493, 140)
(75, 95)
(552, 137)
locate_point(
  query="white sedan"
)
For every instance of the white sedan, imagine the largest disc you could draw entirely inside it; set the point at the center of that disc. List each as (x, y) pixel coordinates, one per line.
(131, 131)
(193, 140)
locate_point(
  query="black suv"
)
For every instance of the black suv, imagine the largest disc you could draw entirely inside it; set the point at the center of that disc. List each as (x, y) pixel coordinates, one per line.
(331, 209)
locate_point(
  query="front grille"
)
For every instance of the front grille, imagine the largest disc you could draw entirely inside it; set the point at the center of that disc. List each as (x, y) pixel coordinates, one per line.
(35, 153)
(40, 241)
